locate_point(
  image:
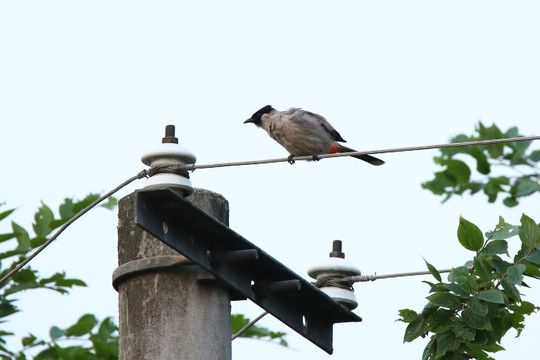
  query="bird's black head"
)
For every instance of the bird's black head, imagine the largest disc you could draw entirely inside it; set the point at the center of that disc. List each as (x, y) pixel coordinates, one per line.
(257, 117)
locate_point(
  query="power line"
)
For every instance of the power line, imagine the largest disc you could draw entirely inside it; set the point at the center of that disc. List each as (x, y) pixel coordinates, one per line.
(192, 167)
(347, 282)
(363, 278)
(248, 325)
(140, 175)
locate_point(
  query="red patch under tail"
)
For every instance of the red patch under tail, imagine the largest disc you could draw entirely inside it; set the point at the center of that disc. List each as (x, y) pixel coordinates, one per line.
(334, 149)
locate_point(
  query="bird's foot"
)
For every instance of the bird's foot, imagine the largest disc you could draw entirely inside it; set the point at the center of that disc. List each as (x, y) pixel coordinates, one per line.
(290, 159)
(316, 157)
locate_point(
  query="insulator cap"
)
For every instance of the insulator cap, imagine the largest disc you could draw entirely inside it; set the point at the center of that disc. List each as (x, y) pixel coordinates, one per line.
(169, 153)
(336, 267)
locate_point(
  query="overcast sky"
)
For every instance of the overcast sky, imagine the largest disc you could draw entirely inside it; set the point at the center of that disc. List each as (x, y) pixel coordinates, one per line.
(86, 87)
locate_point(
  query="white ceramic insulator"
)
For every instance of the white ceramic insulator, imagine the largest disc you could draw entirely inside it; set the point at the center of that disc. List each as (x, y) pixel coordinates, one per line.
(169, 154)
(335, 266)
(342, 296)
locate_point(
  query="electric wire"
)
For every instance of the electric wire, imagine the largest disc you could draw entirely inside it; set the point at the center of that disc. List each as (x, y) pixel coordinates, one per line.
(363, 278)
(140, 175)
(193, 167)
(248, 325)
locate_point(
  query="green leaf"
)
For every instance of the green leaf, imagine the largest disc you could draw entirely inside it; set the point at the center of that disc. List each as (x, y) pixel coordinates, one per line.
(429, 350)
(504, 321)
(466, 281)
(31, 340)
(524, 187)
(495, 247)
(59, 279)
(414, 329)
(534, 257)
(532, 271)
(458, 290)
(7, 308)
(407, 315)
(486, 347)
(446, 341)
(515, 274)
(107, 328)
(439, 184)
(475, 321)
(482, 163)
(510, 201)
(433, 271)
(111, 203)
(512, 132)
(445, 299)
(535, 156)
(20, 287)
(6, 213)
(22, 237)
(529, 232)
(79, 205)
(55, 332)
(519, 148)
(83, 326)
(66, 209)
(10, 253)
(510, 290)
(43, 218)
(37, 241)
(500, 266)
(482, 268)
(503, 231)
(493, 296)
(456, 170)
(105, 349)
(25, 275)
(494, 186)
(238, 321)
(8, 236)
(463, 331)
(440, 321)
(479, 307)
(429, 309)
(456, 150)
(525, 307)
(469, 235)
(488, 133)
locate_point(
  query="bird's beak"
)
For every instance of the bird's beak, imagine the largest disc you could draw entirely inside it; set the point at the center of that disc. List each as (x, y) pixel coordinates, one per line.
(250, 120)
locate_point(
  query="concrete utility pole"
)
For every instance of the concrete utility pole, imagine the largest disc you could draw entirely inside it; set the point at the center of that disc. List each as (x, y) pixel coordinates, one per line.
(166, 312)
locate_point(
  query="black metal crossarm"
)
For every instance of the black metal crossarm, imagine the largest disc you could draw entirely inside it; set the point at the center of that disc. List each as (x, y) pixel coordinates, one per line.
(241, 265)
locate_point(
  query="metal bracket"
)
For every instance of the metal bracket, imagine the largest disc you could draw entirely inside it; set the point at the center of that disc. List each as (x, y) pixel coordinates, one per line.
(240, 265)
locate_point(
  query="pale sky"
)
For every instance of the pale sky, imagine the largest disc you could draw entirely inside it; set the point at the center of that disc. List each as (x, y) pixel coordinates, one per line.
(87, 87)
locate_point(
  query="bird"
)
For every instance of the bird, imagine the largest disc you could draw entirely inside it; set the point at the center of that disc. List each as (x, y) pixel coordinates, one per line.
(303, 133)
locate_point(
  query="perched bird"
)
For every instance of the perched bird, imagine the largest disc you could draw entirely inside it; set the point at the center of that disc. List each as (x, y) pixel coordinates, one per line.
(302, 132)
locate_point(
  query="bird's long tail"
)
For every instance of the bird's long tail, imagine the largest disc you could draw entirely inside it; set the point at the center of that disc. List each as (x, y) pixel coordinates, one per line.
(367, 158)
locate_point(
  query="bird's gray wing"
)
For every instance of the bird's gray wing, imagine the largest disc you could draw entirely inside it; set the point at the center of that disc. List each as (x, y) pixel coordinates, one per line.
(324, 123)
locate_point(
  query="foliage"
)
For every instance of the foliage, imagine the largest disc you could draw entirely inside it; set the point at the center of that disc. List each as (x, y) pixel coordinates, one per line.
(493, 165)
(19, 244)
(238, 321)
(469, 314)
(98, 342)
